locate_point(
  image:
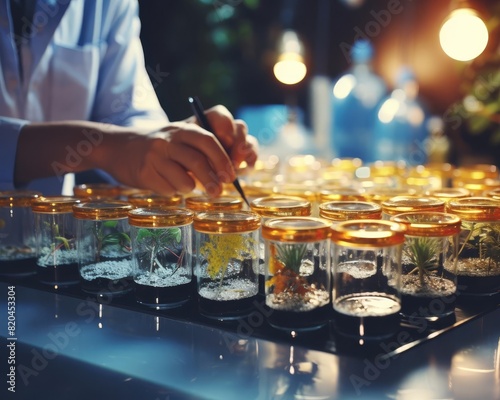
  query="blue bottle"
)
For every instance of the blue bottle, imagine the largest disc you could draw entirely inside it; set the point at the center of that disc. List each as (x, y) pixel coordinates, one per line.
(400, 130)
(356, 97)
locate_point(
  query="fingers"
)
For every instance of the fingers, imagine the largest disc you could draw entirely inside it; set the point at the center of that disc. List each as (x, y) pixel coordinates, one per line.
(233, 135)
(196, 152)
(209, 155)
(245, 146)
(223, 125)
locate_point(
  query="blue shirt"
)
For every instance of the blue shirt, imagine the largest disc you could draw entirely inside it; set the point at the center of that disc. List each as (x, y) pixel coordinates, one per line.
(81, 60)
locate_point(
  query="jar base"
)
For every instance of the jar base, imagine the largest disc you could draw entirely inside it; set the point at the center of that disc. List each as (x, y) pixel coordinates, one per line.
(18, 268)
(162, 297)
(226, 310)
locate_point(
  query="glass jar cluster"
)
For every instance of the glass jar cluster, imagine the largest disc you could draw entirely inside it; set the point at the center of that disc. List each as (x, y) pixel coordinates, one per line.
(363, 265)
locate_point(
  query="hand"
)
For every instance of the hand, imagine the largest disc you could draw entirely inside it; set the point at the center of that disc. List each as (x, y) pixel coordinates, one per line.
(233, 135)
(172, 159)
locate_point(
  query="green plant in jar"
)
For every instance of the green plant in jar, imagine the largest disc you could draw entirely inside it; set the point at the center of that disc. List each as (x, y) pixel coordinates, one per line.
(422, 252)
(108, 236)
(60, 242)
(156, 240)
(285, 263)
(483, 242)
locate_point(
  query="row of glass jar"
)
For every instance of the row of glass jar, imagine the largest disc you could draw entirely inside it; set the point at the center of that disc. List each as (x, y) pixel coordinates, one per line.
(296, 250)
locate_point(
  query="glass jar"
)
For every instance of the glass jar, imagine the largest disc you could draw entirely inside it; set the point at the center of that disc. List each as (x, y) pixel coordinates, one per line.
(298, 276)
(366, 261)
(57, 257)
(143, 200)
(428, 280)
(346, 210)
(478, 266)
(104, 248)
(402, 204)
(227, 256)
(17, 234)
(475, 172)
(430, 176)
(442, 170)
(161, 255)
(272, 207)
(222, 203)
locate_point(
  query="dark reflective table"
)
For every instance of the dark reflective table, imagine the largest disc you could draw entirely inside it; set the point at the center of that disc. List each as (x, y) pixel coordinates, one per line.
(70, 345)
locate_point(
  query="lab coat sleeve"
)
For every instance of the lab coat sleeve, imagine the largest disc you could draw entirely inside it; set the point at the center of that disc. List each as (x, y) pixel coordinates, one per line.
(9, 135)
(125, 94)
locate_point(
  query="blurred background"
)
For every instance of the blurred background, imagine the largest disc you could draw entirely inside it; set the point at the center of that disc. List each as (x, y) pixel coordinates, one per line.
(225, 50)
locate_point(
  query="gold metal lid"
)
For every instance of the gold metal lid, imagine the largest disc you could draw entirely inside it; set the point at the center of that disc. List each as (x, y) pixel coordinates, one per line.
(429, 223)
(494, 194)
(401, 204)
(54, 204)
(449, 193)
(303, 191)
(102, 210)
(97, 191)
(281, 206)
(478, 188)
(17, 198)
(339, 194)
(475, 172)
(368, 233)
(259, 189)
(381, 194)
(345, 210)
(442, 170)
(222, 203)
(154, 200)
(475, 208)
(226, 222)
(296, 229)
(159, 217)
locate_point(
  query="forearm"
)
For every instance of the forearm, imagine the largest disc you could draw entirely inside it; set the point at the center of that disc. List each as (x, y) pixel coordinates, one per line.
(53, 149)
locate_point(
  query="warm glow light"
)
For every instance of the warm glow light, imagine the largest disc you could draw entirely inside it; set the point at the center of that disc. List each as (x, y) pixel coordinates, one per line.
(388, 110)
(344, 86)
(464, 35)
(290, 69)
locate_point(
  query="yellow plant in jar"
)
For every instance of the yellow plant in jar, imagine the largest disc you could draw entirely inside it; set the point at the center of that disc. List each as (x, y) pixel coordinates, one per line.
(220, 250)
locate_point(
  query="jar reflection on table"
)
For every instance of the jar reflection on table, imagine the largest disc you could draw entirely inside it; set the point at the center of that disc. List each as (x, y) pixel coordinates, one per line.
(227, 257)
(17, 235)
(366, 277)
(227, 362)
(57, 256)
(293, 372)
(161, 255)
(104, 249)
